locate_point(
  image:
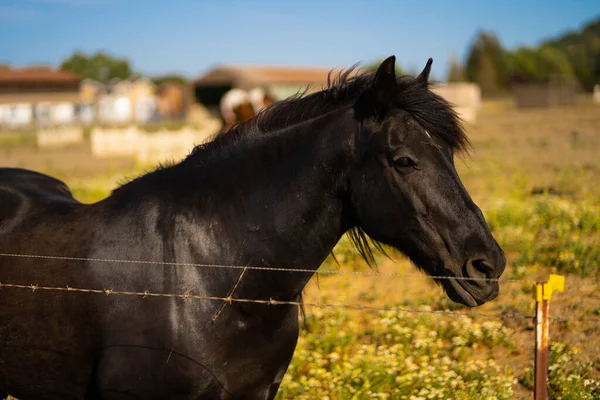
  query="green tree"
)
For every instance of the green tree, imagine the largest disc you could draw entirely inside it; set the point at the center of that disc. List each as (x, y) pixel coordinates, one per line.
(456, 72)
(553, 61)
(524, 65)
(574, 54)
(582, 49)
(487, 75)
(487, 64)
(539, 65)
(171, 78)
(99, 66)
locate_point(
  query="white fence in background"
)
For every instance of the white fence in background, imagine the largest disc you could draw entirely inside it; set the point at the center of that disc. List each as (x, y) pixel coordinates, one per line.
(59, 137)
(150, 147)
(464, 96)
(114, 142)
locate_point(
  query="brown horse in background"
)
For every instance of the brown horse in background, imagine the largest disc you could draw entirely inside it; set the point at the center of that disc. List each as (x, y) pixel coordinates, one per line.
(239, 105)
(243, 112)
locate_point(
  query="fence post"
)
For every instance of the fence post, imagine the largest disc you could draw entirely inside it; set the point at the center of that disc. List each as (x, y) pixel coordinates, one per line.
(543, 294)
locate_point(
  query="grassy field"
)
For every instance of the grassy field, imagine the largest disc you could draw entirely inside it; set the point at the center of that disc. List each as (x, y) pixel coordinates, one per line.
(536, 176)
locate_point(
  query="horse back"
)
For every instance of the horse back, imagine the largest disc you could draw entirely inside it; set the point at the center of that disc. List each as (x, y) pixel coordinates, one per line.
(23, 192)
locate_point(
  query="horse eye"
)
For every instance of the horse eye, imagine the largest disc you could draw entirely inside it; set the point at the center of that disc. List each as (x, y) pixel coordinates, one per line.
(404, 162)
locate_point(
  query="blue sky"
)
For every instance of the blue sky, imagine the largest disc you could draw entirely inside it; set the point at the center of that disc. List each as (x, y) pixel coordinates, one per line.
(190, 36)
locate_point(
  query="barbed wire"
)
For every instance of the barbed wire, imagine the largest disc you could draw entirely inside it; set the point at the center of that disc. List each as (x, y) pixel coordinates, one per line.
(261, 268)
(585, 283)
(274, 302)
(271, 302)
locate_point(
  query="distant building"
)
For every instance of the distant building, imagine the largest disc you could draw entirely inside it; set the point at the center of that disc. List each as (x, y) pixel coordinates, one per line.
(172, 100)
(142, 94)
(90, 92)
(280, 82)
(127, 101)
(37, 96)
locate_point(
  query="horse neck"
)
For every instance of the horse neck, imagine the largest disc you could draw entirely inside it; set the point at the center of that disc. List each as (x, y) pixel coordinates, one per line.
(272, 199)
(284, 205)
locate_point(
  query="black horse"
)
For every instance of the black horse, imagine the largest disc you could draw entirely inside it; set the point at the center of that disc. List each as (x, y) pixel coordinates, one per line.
(372, 154)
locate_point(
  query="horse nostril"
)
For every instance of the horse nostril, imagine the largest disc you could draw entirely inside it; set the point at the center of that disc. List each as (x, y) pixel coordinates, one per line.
(477, 267)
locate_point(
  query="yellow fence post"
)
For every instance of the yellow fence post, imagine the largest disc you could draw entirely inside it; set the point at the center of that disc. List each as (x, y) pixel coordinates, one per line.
(543, 294)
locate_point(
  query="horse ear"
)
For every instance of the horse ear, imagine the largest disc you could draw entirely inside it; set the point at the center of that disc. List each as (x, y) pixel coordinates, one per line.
(384, 85)
(424, 75)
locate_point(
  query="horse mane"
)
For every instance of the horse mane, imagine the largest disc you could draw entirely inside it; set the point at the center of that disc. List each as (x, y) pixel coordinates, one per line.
(343, 89)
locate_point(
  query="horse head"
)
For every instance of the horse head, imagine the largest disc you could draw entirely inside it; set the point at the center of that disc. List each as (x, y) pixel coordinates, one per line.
(405, 190)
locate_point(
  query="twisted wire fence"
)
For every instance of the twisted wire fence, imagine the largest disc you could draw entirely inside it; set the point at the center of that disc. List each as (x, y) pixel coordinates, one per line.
(188, 295)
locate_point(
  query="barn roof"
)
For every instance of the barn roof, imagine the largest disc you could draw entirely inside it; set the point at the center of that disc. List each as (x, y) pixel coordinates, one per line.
(251, 76)
(37, 74)
(52, 97)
